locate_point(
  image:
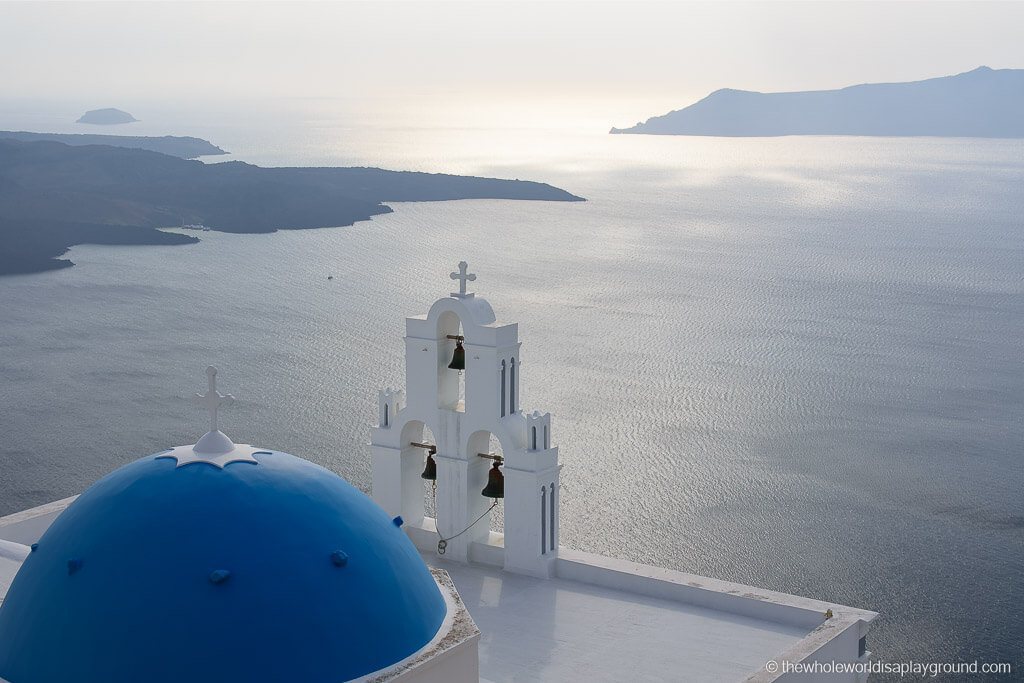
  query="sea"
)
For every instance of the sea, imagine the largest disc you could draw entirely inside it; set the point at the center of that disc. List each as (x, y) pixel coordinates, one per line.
(792, 362)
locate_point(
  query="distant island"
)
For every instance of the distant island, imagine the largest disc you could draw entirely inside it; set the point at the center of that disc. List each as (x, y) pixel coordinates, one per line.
(106, 117)
(983, 103)
(184, 147)
(53, 196)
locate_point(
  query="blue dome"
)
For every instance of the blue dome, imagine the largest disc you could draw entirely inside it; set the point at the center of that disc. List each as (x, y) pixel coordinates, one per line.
(271, 571)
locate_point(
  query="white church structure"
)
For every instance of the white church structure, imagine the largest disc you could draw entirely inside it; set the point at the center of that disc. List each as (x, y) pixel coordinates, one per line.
(221, 562)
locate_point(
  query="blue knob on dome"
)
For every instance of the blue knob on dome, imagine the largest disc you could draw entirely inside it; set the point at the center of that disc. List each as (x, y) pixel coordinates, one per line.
(34, 547)
(339, 558)
(398, 521)
(219, 576)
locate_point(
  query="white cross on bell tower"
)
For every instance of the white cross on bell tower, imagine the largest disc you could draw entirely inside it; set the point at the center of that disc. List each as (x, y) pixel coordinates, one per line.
(463, 277)
(465, 434)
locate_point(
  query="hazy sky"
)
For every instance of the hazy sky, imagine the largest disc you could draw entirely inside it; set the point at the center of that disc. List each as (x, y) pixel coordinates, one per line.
(660, 54)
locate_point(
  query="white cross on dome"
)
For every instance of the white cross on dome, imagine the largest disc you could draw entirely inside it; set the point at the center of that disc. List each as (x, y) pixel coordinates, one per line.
(214, 448)
(212, 400)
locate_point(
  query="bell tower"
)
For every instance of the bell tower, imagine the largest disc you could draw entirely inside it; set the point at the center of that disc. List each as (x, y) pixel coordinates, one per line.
(461, 409)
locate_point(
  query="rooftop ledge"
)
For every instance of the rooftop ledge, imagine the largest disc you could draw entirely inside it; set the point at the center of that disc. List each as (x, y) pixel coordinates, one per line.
(613, 617)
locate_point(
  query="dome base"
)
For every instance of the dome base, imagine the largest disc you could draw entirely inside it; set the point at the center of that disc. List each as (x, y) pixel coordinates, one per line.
(215, 448)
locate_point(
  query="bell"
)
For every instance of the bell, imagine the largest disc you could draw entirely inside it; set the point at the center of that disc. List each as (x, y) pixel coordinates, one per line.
(458, 358)
(495, 483)
(430, 471)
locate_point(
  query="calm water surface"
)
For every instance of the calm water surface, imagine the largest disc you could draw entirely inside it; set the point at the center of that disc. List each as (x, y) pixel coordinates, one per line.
(792, 362)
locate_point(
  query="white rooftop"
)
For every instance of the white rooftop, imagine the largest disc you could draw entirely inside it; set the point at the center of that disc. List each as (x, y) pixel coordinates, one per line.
(559, 630)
